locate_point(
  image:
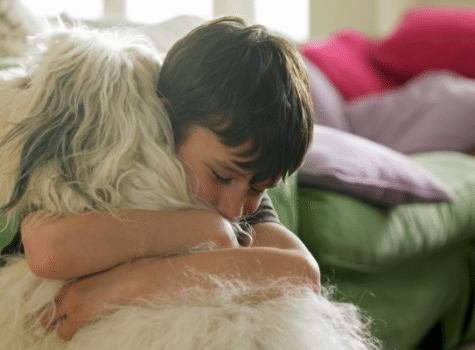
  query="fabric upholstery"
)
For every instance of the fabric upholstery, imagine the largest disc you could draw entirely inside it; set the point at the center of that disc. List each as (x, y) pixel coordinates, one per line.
(353, 165)
(16, 23)
(344, 57)
(430, 38)
(344, 232)
(328, 103)
(285, 201)
(434, 111)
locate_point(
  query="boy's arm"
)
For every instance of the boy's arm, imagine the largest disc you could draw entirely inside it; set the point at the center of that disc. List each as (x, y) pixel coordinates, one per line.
(79, 302)
(89, 242)
(277, 236)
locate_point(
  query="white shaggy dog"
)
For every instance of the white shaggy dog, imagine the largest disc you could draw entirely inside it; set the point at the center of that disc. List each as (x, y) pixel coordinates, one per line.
(82, 129)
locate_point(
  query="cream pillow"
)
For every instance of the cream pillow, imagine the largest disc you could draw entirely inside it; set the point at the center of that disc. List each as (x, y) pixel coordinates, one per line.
(16, 23)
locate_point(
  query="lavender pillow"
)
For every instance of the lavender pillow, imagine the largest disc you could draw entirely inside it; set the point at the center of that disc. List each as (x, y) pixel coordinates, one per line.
(350, 164)
(435, 111)
(328, 104)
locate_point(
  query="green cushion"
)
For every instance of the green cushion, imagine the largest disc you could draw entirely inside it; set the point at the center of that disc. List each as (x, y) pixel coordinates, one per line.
(9, 62)
(284, 199)
(7, 232)
(408, 301)
(344, 232)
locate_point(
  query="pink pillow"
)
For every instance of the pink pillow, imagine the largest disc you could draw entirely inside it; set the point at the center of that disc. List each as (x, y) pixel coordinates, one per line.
(344, 57)
(429, 38)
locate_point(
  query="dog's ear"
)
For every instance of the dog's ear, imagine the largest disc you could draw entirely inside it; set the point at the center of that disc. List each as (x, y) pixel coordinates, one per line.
(92, 98)
(14, 106)
(94, 123)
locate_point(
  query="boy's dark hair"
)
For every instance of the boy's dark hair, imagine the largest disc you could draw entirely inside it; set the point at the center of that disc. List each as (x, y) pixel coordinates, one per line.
(243, 84)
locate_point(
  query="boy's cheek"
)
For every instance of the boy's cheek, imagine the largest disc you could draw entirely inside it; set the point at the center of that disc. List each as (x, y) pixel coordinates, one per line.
(207, 193)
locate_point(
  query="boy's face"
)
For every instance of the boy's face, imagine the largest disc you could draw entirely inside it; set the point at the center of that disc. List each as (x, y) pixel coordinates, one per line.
(216, 179)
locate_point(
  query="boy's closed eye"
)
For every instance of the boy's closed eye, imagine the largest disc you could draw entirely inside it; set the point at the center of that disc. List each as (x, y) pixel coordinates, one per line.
(220, 178)
(226, 181)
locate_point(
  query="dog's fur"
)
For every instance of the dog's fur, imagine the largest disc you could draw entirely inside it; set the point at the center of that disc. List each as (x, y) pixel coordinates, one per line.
(82, 128)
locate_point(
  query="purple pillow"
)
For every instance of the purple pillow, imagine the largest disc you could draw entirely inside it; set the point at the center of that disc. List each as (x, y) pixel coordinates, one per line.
(434, 111)
(350, 164)
(328, 104)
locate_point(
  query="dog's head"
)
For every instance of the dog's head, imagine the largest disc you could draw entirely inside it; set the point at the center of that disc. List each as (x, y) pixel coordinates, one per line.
(86, 129)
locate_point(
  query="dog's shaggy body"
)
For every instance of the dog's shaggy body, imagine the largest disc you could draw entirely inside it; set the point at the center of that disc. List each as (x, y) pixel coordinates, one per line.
(82, 129)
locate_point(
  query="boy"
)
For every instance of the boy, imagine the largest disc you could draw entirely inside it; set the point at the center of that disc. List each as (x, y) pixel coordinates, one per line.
(240, 109)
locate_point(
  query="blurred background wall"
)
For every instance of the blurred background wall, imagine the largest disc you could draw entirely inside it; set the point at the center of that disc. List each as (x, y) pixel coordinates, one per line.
(374, 17)
(300, 20)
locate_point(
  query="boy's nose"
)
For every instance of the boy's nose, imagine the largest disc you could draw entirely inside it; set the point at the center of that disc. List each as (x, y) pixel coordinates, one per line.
(231, 205)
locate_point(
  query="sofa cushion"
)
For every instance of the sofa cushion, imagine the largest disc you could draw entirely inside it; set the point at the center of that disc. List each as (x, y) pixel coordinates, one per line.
(10, 62)
(16, 23)
(344, 57)
(434, 111)
(344, 232)
(328, 104)
(7, 231)
(163, 34)
(428, 38)
(401, 300)
(353, 165)
(285, 201)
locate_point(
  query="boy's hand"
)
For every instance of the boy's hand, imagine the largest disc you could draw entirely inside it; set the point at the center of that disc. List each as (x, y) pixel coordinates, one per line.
(79, 302)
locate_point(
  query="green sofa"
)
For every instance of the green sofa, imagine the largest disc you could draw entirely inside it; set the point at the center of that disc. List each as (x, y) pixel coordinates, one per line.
(410, 267)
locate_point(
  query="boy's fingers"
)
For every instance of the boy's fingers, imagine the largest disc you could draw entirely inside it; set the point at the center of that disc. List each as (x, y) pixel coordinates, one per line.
(44, 315)
(58, 320)
(66, 330)
(49, 318)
